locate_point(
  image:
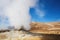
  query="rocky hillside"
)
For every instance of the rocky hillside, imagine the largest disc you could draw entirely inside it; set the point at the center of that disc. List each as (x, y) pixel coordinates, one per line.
(39, 31)
(45, 28)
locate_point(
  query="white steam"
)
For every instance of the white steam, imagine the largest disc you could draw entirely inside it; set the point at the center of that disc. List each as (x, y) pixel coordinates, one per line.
(18, 12)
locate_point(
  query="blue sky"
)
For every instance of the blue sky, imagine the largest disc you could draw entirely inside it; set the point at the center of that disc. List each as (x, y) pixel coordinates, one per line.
(46, 11)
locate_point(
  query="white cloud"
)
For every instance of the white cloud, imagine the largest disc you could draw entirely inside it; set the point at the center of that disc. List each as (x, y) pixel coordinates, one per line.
(40, 13)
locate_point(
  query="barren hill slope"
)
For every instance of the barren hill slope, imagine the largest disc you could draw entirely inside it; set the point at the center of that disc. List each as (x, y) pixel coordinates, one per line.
(39, 31)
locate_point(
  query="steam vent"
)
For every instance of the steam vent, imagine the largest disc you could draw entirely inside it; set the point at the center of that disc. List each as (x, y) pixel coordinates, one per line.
(39, 31)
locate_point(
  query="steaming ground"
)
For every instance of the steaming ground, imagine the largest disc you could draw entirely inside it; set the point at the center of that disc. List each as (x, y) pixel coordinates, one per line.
(18, 12)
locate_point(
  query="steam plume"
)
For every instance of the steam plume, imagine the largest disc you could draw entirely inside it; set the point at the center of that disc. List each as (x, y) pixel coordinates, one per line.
(18, 12)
